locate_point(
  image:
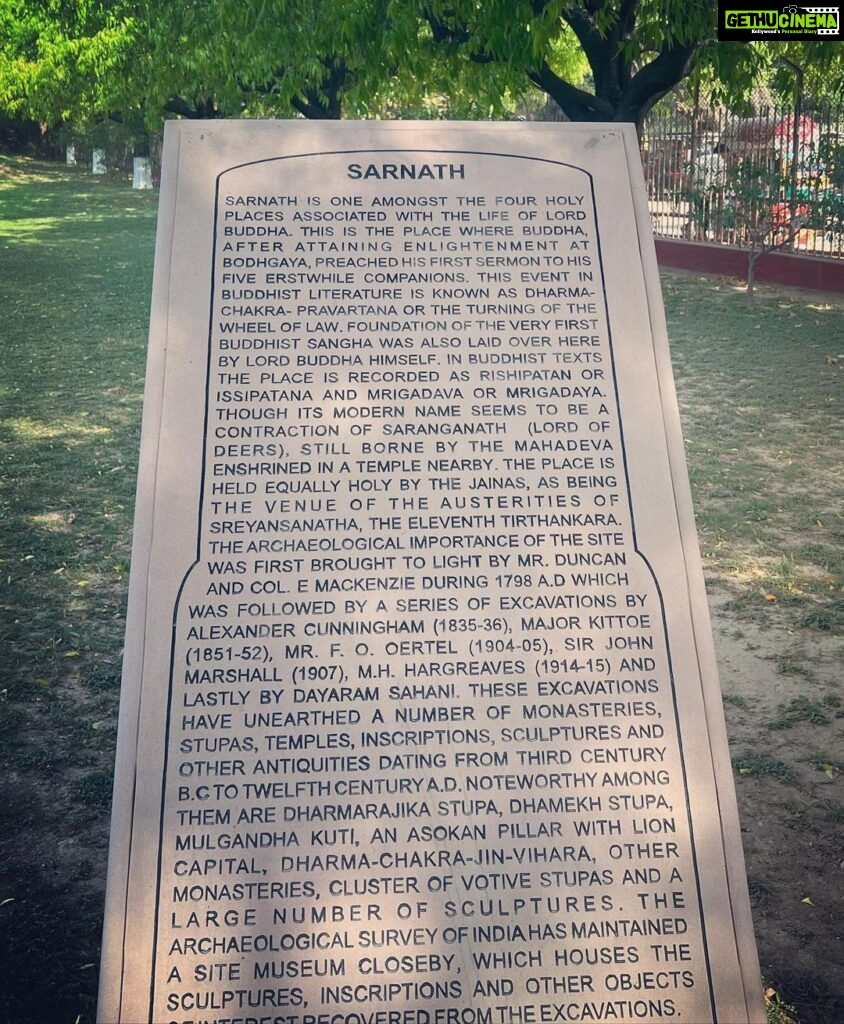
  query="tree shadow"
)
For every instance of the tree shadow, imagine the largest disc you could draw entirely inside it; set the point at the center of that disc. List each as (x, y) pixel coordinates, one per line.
(75, 291)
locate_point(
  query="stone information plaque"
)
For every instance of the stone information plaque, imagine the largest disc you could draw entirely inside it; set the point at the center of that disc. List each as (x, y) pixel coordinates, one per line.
(420, 718)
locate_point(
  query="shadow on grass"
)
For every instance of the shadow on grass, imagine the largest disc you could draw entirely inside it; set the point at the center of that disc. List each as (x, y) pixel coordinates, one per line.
(48, 936)
(811, 996)
(48, 200)
(71, 384)
(75, 271)
(75, 265)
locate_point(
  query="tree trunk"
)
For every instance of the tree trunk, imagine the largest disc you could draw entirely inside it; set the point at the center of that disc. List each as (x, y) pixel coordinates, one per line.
(620, 97)
(325, 103)
(752, 260)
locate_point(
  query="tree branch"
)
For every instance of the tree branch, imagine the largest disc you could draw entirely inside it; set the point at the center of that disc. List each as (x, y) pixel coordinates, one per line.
(576, 104)
(455, 35)
(627, 17)
(656, 79)
(323, 102)
(199, 109)
(587, 35)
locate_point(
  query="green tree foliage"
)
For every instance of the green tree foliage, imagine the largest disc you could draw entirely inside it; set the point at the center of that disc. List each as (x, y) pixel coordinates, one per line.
(76, 60)
(636, 50)
(321, 58)
(62, 59)
(606, 60)
(277, 57)
(818, 65)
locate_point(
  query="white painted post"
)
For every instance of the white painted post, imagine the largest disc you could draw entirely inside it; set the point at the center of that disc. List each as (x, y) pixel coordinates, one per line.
(142, 172)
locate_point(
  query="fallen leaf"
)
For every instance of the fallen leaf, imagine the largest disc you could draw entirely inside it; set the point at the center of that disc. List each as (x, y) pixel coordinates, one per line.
(807, 901)
(770, 597)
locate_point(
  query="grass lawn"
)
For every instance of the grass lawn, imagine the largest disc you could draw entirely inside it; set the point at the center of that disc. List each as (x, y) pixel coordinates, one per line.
(75, 271)
(761, 398)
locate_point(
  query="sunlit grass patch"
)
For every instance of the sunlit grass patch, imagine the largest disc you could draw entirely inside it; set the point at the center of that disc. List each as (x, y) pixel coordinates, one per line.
(762, 411)
(24, 428)
(57, 521)
(71, 380)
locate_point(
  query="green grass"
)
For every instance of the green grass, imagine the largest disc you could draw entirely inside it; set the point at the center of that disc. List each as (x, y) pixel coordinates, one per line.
(762, 413)
(755, 763)
(734, 699)
(76, 257)
(802, 709)
(95, 788)
(777, 1010)
(75, 274)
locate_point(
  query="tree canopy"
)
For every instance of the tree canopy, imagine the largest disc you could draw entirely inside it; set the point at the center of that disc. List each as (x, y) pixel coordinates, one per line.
(77, 60)
(607, 60)
(59, 60)
(636, 50)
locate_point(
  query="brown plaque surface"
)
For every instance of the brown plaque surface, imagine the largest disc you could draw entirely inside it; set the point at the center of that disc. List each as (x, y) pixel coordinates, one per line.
(420, 719)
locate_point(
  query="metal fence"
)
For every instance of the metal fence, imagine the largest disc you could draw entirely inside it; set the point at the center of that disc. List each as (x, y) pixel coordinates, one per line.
(775, 178)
